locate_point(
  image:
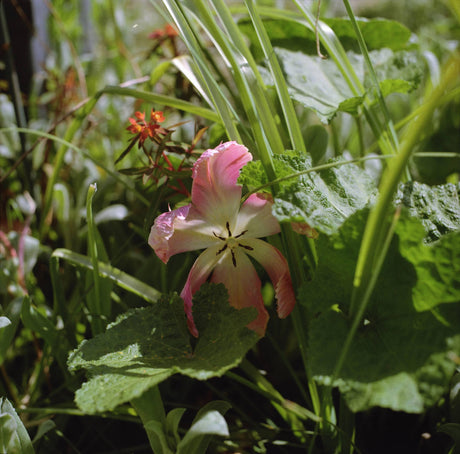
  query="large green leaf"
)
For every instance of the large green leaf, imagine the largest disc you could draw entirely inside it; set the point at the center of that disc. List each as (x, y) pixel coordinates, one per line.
(319, 85)
(145, 346)
(324, 200)
(315, 83)
(377, 33)
(400, 358)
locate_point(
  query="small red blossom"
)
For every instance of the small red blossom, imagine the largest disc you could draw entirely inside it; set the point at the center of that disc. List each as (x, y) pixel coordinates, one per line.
(162, 33)
(145, 130)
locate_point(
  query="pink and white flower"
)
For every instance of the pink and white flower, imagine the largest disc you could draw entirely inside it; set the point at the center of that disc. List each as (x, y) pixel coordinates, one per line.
(229, 232)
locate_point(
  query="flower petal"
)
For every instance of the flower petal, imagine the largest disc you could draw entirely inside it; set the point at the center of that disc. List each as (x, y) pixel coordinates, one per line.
(243, 287)
(180, 230)
(199, 272)
(215, 192)
(256, 217)
(277, 268)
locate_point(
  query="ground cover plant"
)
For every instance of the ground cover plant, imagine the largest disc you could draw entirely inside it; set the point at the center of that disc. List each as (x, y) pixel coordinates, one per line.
(231, 227)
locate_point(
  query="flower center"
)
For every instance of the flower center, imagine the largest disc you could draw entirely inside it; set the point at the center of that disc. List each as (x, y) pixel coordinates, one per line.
(231, 243)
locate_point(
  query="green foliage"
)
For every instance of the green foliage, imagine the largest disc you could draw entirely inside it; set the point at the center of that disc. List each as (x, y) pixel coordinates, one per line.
(318, 84)
(400, 358)
(248, 72)
(438, 207)
(378, 33)
(14, 438)
(146, 346)
(323, 199)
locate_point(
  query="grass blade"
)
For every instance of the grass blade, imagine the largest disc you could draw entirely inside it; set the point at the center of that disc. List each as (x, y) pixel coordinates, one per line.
(122, 279)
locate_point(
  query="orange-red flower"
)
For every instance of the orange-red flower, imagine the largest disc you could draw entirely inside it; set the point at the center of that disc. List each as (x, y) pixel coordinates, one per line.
(167, 32)
(145, 130)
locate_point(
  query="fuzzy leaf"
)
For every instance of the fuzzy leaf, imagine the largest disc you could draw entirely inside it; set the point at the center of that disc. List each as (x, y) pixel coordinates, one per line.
(438, 207)
(313, 82)
(145, 346)
(323, 200)
(400, 358)
(318, 84)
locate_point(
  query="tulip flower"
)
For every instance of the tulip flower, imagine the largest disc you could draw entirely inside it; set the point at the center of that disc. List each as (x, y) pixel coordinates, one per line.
(230, 233)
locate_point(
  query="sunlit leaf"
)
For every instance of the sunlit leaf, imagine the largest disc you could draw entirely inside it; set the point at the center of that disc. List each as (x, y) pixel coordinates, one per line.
(14, 438)
(438, 207)
(400, 358)
(146, 346)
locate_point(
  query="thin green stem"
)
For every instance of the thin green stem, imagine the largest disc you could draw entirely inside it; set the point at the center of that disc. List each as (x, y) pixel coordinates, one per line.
(370, 67)
(97, 323)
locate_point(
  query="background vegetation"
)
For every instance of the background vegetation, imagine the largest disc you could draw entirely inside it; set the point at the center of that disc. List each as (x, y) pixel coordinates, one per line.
(78, 197)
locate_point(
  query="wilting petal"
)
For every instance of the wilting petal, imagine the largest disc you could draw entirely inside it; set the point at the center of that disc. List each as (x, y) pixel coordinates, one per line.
(277, 268)
(243, 287)
(180, 230)
(256, 217)
(200, 271)
(303, 228)
(215, 192)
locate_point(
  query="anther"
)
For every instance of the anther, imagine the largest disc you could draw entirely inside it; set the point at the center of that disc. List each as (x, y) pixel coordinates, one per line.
(217, 236)
(241, 234)
(222, 250)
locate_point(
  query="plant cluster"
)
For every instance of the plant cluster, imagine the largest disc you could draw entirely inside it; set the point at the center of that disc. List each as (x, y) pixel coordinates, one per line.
(238, 232)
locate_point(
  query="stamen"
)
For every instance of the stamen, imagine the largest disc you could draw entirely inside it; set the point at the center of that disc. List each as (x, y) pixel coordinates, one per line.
(249, 248)
(228, 229)
(217, 236)
(222, 250)
(233, 259)
(241, 234)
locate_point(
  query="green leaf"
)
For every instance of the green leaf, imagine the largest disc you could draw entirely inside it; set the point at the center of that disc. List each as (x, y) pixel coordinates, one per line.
(378, 33)
(397, 72)
(324, 200)
(14, 438)
(313, 82)
(155, 430)
(172, 423)
(209, 423)
(146, 346)
(438, 207)
(43, 429)
(400, 358)
(437, 266)
(316, 139)
(319, 85)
